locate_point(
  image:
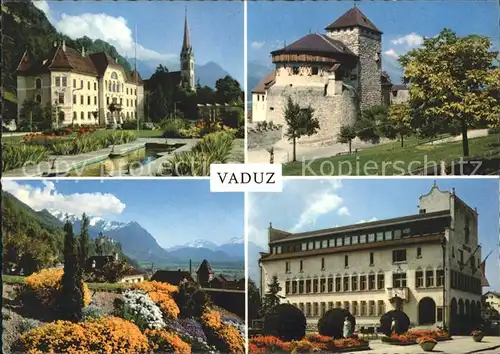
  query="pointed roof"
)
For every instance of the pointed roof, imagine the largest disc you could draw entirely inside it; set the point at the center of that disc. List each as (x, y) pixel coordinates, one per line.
(206, 267)
(353, 18)
(315, 43)
(186, 44)
(265, 83)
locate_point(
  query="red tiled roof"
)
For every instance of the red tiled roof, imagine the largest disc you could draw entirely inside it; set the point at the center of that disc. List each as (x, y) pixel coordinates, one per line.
(265, 83)
(315, 43)
(353, 18)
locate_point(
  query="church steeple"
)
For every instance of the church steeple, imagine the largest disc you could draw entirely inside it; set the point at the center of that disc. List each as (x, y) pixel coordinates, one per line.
(187, 58)
(186, 43)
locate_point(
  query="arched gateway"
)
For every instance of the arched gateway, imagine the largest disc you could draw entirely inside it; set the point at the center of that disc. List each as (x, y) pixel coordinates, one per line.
(426, 311)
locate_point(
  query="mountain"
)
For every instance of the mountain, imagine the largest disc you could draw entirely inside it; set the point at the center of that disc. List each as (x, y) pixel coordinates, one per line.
(200, 253)
(136, 241)
(207, 74)
(256, 71)
(195, 244)
(235, 247)
(253, 262)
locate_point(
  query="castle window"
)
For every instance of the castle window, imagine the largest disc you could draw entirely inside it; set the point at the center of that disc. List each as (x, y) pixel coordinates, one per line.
(419, 279)
(58, 81)
(81, 84)
(38, 83)
(88, 100)
(64, 81)
(38, 98)
(127, 90)
(258, 97)
(61, 98)
(95, 86)
(88, 85)
(82, 115)
(314, 70)
(114, 86)
(295, 70)
(81, 99)
(114, 76)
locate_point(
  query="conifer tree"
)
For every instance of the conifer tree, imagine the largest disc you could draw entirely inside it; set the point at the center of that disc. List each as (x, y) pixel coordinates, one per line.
(84, 242)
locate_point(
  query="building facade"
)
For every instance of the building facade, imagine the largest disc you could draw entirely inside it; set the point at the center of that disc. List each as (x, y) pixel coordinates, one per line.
(492, 299)
(427, 265)
(337, 73)
(83, 88)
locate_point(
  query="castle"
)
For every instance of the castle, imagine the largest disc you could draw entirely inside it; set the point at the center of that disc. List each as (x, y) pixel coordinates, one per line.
(91, 89)
(338, 73)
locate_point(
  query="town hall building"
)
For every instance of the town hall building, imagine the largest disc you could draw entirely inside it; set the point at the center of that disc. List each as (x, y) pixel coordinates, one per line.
(338, 73)
(427, 265)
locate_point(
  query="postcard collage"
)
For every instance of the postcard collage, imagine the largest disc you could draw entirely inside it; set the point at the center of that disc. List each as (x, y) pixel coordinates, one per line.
(250, 177)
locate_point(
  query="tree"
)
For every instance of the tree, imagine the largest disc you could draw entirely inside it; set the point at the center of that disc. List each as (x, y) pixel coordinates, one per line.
(399, 118)
(228, 90)
(300, 122)
(372, 119)
(272, 298)
(161, 69)
(99, 244)
(254, 301)
(71, 300)
(345, 136)
(451, 80)
(84, 242)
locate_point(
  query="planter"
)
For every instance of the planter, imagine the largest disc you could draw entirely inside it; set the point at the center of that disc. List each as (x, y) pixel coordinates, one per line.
(427, 346)
(478, 337)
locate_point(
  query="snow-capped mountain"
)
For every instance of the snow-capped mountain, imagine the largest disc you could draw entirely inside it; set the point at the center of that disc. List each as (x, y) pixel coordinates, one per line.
(136, 241)
(232, 249)
(196, 244)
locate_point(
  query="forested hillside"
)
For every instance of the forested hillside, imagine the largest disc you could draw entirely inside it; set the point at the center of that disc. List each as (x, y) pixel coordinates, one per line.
(25, 27)
(32, 240)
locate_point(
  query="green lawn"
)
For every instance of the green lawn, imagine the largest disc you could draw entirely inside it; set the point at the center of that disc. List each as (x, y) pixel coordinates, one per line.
(389, 159)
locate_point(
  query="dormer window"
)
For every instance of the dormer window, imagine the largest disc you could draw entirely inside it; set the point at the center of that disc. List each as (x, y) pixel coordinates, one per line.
(114, 76)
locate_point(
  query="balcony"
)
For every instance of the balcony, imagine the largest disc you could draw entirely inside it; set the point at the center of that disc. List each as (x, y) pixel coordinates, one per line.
(401, 293)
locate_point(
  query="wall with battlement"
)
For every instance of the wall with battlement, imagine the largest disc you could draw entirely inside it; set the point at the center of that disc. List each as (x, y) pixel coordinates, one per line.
(332, 111)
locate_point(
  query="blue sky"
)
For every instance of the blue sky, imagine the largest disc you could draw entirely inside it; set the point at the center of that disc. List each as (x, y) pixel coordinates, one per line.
(317, 204)
(173, 211)
(270, 24)
(217, 28)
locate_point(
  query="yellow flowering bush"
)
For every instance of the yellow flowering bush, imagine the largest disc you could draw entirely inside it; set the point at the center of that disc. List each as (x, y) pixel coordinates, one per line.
(161, 294)
(107, 335)
(226, 337)
(162, 341)
(47, 284)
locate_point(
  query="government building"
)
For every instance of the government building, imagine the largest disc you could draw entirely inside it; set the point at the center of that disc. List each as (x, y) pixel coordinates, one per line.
(83, 88)
(337, 73)
(427, 264)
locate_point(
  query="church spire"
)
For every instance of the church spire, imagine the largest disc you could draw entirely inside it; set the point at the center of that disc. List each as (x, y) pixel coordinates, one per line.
(186, 44)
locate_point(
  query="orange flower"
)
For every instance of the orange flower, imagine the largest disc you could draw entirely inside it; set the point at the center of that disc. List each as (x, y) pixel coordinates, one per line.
(163, 341)
(161, 294)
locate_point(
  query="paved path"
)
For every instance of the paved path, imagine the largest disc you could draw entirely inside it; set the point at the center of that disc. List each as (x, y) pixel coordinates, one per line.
(458, 345)
(476, 133)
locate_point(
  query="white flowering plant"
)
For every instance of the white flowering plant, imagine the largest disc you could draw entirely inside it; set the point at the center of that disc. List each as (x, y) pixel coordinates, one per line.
(140, 309)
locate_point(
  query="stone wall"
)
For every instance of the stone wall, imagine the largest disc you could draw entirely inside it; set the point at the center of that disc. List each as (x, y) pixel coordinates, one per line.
(263, 138)
(332, 111)
(367, 45)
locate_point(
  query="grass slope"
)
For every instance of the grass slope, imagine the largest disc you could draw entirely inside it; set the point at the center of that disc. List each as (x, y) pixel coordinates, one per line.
(390, 158)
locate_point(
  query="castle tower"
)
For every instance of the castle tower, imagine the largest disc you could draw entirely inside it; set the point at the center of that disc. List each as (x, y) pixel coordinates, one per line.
(364, 39)
(187, 59)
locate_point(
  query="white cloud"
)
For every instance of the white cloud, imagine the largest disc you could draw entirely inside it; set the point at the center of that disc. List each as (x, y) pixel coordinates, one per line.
(113, 30)
(96, 204)
(391, 53)
(369, 220)
(319, 201)
(343, 211)
(257, 45)
(410, 40)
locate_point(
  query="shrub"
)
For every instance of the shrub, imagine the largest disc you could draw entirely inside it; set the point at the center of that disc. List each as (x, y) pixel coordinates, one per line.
(105, 335)
(27, 324)
(172, 127)
(162, 294)
(191, 299)
(141, 310)
(332, 322)
(218, 145)
(285, 321)
(162, 341)
(19, 155)
(129, 125)
(92, 311)
(45, 287)
(402, 322)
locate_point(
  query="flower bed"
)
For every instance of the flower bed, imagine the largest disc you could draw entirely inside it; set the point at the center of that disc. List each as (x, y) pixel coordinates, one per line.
(411, 336)
(310, 343)
(437, 334)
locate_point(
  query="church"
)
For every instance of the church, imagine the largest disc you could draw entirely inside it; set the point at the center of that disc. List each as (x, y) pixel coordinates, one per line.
(338, 73)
